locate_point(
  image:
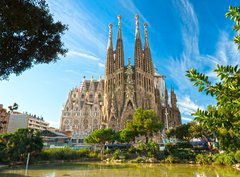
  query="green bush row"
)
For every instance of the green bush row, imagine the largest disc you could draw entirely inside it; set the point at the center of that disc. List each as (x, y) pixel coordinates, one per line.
(66, 154)
(220, 159)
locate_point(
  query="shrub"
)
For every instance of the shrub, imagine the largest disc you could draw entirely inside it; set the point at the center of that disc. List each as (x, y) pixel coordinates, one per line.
(203, 159)
(170, 147)
(237, 156)
(116, 155)
(63, 154)
(184, 144)
(170, 159)
(152, 148)
(224, 159)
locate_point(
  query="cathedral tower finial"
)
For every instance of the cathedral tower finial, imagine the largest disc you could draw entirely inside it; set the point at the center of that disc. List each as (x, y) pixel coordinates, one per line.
(110, 45)
(146, 35)
(137, 34)
(119, 27)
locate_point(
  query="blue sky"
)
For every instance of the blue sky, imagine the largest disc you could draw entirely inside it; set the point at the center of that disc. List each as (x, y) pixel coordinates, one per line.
(182, 34)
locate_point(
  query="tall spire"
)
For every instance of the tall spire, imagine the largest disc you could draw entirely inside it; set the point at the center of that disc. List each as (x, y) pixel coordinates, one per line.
(146, 35)
(119, 28)
(109, 58)
(119, 59)
(110, 43)
(137, 34)
(138, 46)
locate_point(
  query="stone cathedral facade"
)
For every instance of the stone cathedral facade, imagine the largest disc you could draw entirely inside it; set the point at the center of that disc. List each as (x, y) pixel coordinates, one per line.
(111, 101)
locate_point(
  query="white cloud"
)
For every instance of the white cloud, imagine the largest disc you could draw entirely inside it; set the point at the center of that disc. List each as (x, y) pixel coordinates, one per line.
(187, 106)
(83, 55)
(130, 6)
(82, 32)
(101, 65)
(72, 72)
(187, 119)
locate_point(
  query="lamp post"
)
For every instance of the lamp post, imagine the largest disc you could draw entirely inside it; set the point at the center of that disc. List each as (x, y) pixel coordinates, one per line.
(166, 114)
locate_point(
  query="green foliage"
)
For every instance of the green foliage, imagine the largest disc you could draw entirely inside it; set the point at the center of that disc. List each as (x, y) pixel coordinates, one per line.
(237, 156)
(29, 36)
(170, 147)
(180, 150)
(127, 135)
(224, 159)
(116, 155)
(223, 118)
(234, 14)
(66, 154)
(101, 136)
(184, 144)
(185, 132)
(146, 123)
(150, 149)
(180, 132)
(17, 145)
(203, 159)
(171, 159)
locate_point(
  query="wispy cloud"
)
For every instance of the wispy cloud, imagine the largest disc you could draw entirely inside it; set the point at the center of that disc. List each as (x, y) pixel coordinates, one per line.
(82, 55)
(72, 72)
(187, 106)
(226, 53)
(82, 31)
(187, 119)
(101, 65)
(130, 6)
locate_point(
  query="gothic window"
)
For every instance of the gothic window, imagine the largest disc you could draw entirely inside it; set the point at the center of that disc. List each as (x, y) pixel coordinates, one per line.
(76, 122)
(66, 122)
(99, 97)
(85, 123)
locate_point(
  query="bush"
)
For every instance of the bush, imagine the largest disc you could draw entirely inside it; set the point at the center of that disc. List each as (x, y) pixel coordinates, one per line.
(116, 155)
(152, 149)
(203, 159)
(237, 156)
(63, 154)
(184, 144)
(170, 159)
(224, 159)
(170, 147)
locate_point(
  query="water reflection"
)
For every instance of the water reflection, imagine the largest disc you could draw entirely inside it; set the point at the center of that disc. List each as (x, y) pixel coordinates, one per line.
(121, 170)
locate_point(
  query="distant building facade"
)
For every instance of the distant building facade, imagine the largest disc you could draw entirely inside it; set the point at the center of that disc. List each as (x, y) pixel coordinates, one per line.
(25, 120)
(112, 101)
(4, 119)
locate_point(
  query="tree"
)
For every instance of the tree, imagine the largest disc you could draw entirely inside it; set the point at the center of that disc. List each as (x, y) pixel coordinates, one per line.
(101, 136)
(234, 13)
(146, 123)
(28, 36)
(188, 131)
(17, 145)
(224, 117)
(180, 132)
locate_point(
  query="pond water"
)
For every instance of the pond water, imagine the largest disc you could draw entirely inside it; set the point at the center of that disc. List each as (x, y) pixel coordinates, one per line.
(120, 170)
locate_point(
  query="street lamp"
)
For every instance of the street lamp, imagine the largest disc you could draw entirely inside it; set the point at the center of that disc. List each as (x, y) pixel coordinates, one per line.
(166, 114)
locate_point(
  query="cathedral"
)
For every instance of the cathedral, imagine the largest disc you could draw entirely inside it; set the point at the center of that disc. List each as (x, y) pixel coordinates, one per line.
(111, 101)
